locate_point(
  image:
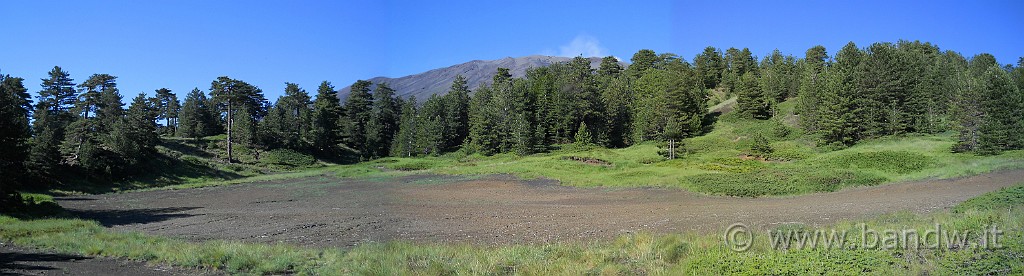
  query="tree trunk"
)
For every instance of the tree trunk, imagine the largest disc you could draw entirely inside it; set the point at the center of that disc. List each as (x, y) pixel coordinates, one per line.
(671, 148)
(231, 120)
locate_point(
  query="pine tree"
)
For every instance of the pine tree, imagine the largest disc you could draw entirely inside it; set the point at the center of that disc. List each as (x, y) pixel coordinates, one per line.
(685, 106)
(274, 130)
(585, 99)
(641, 61)
(134, 137)
(583, 140)
(882, 91)
(752, 100)
(457, 113)
(609, 67)
(709, 67)
(936, 88)
(482, 127)
(244, 128)
(779, 79)
(289, 121)
(195, 118)
(966, 109)
(50, 121)
(358, 108)
(649, 105)
(166, 103)
(761, 146)
(736, 63)
(325, 132)
(811, 77)
(383, 123)
(1001, 104)
(521, 122)
(83, 142)
(684, 110)
(616, 99)
(841, 112)
(231, 96)
(15, 105)
(541, 87)
(1018, 74)
(430, 126)
(404, 144)
(111, 109)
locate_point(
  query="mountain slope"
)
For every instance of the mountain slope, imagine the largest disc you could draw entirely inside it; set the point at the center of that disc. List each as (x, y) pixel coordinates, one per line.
(477, 72)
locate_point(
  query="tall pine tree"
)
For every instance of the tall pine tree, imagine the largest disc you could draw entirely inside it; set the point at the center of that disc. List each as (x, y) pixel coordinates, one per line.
(166, 103)
(809, 92)
(15, 105)
(134, 138)
(358, 107)
(232, 96)
(195, 120)
(710, 67)
(404, 144)
(325, 131)
(50, 120)
(383, 123)
(457, 113)
(288, 122)
(83, 143)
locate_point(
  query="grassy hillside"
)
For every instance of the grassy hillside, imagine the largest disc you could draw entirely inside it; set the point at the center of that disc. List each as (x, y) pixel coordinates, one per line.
(182, 162)
(720, 162)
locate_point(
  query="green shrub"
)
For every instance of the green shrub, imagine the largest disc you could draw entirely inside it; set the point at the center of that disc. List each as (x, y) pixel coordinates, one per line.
(773, 181)
(1003, 199)
(885, 161)
(791, 150)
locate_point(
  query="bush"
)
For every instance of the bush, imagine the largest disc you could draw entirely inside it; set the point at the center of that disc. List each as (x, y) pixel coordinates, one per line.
(773, 181)
(886, 161)
(1003, 199)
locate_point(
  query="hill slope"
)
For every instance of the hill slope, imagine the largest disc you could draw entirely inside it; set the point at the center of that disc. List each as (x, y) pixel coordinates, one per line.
(476, 72)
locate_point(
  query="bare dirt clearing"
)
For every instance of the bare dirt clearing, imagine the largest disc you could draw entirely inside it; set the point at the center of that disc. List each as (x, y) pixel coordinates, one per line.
(328, 211)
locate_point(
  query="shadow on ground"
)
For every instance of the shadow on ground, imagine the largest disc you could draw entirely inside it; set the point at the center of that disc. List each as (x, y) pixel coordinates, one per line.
(111, 218)
(24, 262)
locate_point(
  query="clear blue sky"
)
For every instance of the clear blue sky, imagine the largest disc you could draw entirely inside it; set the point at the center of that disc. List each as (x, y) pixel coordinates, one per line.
(184, 44)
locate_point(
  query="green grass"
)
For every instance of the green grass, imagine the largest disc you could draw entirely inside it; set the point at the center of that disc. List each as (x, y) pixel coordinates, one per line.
(675, 254)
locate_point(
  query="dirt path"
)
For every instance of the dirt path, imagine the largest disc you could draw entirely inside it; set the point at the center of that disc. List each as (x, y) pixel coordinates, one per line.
(328, 211)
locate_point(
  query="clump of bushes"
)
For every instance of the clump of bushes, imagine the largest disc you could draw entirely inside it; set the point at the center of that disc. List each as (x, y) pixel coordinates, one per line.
(886, 161)
(774, 181)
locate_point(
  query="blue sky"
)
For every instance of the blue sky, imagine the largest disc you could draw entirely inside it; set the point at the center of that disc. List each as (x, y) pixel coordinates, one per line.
(184, 44)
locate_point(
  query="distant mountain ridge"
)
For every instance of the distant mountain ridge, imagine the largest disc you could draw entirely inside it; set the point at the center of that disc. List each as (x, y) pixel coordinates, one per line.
(477, 72)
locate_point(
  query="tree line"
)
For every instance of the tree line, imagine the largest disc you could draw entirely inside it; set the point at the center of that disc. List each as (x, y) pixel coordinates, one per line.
(860, 93)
